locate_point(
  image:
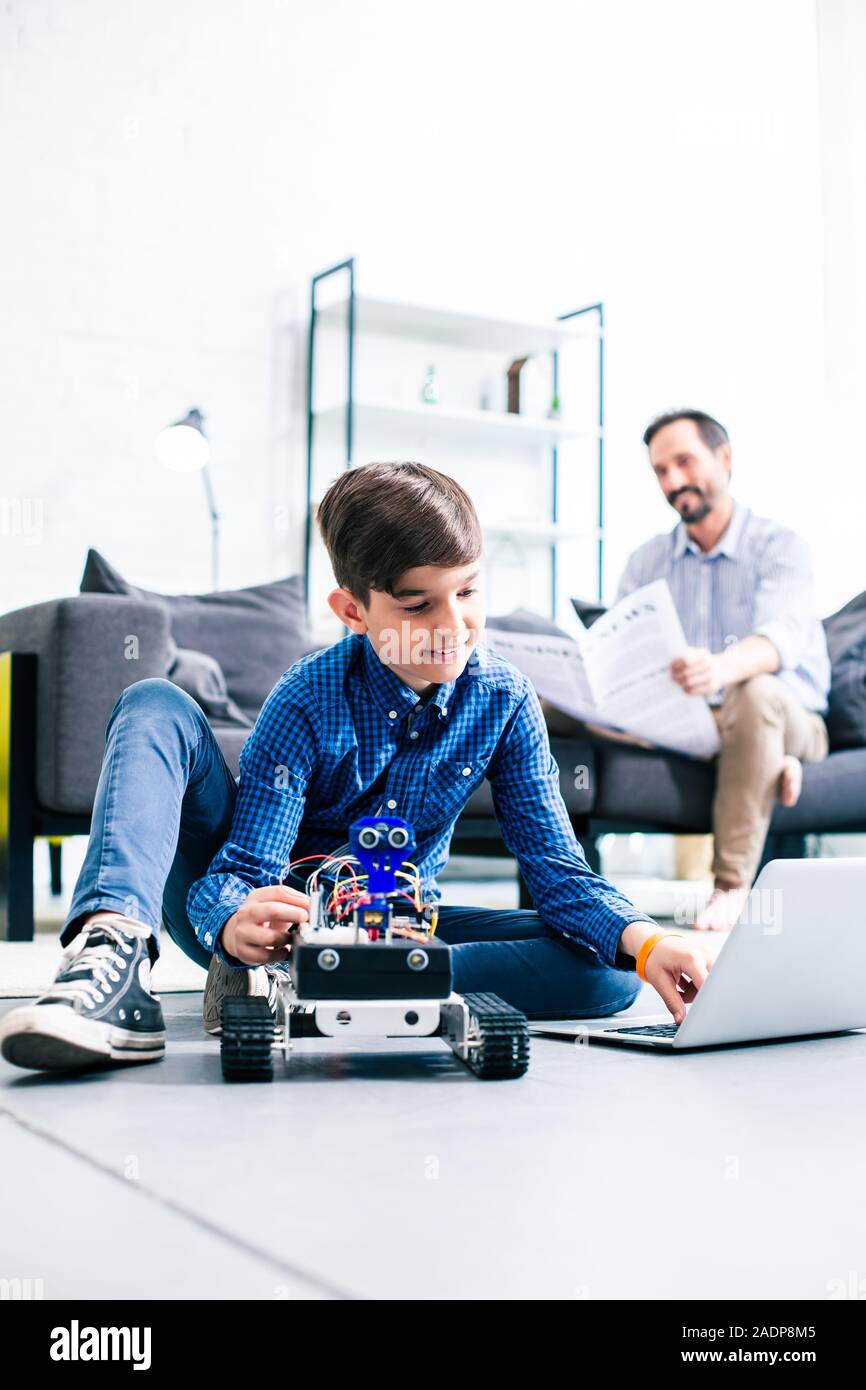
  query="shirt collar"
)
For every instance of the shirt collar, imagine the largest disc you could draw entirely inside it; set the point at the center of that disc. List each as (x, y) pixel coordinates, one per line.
(727, 544)
(390, 692)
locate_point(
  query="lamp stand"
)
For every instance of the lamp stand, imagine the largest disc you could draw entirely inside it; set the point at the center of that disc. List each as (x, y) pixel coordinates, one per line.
(214, 526)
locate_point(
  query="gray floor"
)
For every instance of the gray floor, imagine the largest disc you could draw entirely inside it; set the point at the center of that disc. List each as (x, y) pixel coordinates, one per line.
(392, 1170)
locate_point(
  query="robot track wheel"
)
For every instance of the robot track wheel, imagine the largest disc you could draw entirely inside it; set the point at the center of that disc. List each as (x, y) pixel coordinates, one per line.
(500, 1038)
(246, 1048)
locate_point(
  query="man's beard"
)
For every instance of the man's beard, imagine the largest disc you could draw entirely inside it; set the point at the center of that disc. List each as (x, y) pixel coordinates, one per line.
(695, 511)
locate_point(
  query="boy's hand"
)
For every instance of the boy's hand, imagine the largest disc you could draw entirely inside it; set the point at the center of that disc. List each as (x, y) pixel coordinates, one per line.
(676, 970)
(260, 931)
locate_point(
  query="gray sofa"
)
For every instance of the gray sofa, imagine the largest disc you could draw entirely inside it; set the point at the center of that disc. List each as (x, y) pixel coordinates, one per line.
(631, 789)
(63, 665)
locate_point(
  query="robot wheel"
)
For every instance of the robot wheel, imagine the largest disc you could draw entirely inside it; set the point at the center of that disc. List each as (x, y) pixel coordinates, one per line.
(500, 1038)
(246, 1048)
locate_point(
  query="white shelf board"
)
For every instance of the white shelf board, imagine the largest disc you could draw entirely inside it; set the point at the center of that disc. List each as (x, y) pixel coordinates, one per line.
(387, 316)
(464, 424)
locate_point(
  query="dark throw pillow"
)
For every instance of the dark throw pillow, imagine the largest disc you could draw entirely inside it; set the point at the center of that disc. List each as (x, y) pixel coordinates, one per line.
(201, 676)
(524, 620)
(846, 643)
(588, 610)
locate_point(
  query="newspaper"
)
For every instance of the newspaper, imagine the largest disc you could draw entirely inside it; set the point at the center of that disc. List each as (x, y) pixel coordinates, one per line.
(616, 674)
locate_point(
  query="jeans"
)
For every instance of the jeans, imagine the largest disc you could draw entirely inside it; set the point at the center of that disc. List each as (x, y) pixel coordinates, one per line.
(163, 809)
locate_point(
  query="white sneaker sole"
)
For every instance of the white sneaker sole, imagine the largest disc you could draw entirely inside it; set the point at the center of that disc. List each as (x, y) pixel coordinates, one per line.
(52, 1037)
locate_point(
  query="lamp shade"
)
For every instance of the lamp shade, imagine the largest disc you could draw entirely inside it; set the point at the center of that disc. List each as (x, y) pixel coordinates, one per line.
(183, 447)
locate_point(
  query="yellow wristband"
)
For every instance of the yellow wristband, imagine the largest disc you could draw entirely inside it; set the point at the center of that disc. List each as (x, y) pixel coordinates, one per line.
(646, 948)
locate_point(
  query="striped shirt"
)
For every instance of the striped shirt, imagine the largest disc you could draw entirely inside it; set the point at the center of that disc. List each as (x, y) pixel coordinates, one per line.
(341, 736)
(756, 581)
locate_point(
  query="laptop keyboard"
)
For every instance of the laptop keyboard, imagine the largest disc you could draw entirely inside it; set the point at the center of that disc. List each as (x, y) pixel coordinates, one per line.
(651, 1030)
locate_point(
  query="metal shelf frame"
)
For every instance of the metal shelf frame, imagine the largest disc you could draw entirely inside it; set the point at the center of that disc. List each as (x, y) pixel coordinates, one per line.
(347, 268)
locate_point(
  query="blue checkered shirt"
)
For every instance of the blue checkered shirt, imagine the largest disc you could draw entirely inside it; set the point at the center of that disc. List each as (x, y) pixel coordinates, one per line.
(341, 736)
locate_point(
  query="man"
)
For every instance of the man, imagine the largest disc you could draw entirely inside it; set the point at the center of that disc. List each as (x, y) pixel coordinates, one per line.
(742, 586)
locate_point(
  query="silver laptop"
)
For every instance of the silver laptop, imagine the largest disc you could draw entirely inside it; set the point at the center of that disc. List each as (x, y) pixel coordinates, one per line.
(793, 966)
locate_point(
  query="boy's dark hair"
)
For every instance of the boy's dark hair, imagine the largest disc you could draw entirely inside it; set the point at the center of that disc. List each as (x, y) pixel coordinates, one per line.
(381, 519)
(712, 433)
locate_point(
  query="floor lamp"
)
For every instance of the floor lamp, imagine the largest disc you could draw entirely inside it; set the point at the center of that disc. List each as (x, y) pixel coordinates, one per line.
(184, 448)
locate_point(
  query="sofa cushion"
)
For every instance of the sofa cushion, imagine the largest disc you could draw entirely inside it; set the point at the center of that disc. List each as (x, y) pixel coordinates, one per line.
(255, 634)
(639, 786)
(846, 644)
(833, 797)
(665, 792)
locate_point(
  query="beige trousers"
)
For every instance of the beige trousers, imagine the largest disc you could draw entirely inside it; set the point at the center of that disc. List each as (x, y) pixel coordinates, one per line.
(759, 723)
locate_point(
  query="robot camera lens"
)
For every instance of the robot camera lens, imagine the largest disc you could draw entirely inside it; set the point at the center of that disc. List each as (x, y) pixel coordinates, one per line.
(398, 837)
(368, 838)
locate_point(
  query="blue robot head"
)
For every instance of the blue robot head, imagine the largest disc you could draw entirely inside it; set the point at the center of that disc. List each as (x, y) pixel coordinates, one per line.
(381, 843)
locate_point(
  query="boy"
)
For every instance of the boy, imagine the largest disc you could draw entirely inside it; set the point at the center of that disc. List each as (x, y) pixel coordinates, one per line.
(405, 715)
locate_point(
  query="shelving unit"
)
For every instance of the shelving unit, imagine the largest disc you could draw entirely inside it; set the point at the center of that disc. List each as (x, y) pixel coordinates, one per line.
(381, 414)
(463, 424)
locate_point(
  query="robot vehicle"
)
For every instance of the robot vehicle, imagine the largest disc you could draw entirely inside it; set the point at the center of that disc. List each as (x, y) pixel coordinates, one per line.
(369, 965)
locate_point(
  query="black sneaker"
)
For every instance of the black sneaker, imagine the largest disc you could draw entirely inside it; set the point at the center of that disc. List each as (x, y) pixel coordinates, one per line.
(99, 1009)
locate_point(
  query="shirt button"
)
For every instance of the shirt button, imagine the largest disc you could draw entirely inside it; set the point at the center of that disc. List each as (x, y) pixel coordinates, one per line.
(391, 804)
(392, 714)
(414, 733)
(467, 771)
(207, 938)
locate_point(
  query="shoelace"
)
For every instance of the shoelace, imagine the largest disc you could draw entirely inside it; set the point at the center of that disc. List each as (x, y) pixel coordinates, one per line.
(100, 959)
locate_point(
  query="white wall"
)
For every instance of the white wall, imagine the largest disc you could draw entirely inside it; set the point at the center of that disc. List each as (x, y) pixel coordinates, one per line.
(178, 170)
(841, 485)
